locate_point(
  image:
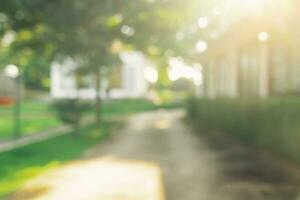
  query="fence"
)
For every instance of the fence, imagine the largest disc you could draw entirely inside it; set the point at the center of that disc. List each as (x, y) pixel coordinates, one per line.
(21, 115)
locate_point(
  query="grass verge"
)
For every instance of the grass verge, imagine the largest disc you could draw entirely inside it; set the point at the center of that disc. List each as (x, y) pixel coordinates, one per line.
(22, 164)
(35, 117)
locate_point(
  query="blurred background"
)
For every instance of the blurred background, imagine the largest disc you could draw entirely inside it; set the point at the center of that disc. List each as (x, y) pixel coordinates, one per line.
(223, 72)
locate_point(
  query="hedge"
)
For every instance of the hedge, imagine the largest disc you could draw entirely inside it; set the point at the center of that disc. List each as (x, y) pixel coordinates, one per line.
(273, 123)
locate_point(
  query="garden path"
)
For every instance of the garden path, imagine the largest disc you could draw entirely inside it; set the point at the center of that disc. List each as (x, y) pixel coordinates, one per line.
(194, 166)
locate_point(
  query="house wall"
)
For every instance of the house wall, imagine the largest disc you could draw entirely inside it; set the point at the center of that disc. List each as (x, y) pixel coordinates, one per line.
(133, 83)
(244, 66)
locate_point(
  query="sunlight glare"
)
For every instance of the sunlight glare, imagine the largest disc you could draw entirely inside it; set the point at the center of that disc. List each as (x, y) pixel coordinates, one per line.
(162, 124)
(246, 6)
(151, 75)
(216, 11)
(11, 71)
(203, 22)
(263, 36)
(104, 178)
(254, 4)
(197, 75)
(201, 46)
(127, 30)
(8, 38)
(178, 69)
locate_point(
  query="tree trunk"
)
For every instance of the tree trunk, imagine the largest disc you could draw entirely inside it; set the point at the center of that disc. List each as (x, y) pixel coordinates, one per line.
(98, 97)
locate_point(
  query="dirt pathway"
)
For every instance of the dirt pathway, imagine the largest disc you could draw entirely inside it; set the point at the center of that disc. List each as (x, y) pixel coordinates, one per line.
(195, 166)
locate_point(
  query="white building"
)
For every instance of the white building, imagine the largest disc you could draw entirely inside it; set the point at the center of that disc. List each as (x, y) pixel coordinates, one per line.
(131, 80)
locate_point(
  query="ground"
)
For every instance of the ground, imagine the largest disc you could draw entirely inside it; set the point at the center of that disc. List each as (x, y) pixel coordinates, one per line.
(39, 116)
(195, 165)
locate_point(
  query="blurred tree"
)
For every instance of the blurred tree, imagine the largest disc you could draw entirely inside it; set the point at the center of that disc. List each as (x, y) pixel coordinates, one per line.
(93, 32)
(165, 29)
(86, 31)
(24, 41)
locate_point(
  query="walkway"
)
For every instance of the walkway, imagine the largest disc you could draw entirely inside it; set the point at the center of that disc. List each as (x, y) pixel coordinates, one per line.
(195, 166)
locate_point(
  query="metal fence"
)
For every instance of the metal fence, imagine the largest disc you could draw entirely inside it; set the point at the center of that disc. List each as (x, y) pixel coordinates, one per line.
(23, 113)
(10, 96)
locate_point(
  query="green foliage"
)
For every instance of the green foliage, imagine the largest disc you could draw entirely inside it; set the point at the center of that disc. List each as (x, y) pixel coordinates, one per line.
(30, 48)
(273, 123)
(35, 117)
(22, 164)
(88, 31)
(71, 111)
(39, 116)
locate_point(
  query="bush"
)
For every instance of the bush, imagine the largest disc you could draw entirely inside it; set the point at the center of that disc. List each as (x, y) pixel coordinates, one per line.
(273, 123)
(71, 111)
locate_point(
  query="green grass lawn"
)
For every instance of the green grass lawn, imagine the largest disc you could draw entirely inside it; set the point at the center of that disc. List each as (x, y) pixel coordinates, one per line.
(39, 116)
(20, 165)
(24, 163)
(35, 117)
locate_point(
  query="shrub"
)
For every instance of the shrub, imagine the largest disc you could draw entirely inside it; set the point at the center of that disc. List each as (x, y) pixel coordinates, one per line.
(273, 123)
(71, 111)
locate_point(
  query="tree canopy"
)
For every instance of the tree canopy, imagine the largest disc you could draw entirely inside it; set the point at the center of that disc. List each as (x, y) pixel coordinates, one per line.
(35, 32)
